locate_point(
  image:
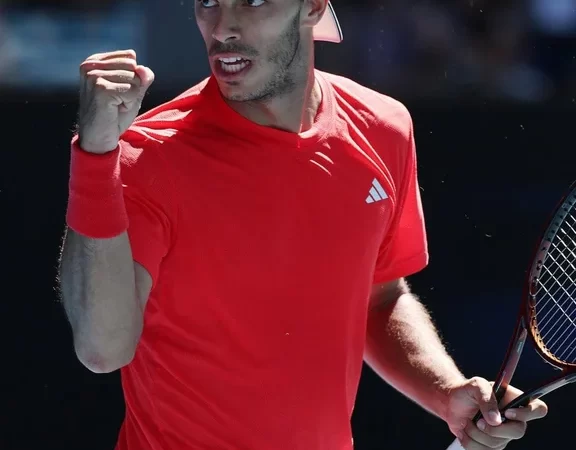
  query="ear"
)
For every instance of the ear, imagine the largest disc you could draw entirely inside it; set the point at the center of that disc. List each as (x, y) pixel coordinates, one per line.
(312, 11)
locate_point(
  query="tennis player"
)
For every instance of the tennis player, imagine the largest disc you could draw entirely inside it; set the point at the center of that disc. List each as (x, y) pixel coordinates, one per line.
(239, 250)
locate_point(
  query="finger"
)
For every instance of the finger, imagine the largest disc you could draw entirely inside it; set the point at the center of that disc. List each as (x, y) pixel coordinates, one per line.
(116, 93)
(115, 76)
(475, 439)
(481, 391)
(111, 64)
(131, 54)
(146, 78)
(508, 430)
(536, 409)
(122, 95)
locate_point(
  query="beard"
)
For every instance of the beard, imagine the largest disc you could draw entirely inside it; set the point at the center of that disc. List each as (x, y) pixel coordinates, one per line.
(285, 59)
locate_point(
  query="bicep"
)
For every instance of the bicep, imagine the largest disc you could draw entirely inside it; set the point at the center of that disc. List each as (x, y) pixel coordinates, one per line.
(143, 284)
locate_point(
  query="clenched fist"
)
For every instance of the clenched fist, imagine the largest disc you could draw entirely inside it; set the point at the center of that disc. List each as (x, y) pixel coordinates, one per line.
(112, 87)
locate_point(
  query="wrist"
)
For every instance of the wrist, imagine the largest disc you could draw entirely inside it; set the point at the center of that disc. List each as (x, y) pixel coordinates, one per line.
(443, 393)
(96, 206)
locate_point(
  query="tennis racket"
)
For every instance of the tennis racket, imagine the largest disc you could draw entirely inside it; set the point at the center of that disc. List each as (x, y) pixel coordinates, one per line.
(547, 314)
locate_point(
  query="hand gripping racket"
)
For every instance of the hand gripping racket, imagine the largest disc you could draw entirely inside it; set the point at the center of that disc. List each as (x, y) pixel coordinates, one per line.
(548, 310)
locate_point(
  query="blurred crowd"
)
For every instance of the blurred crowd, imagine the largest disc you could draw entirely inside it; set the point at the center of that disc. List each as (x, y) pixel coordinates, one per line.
(522, 50)
(42, 42)
(519, 50)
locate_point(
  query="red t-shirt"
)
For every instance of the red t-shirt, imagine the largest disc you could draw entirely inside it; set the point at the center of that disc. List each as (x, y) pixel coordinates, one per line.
(263, 246)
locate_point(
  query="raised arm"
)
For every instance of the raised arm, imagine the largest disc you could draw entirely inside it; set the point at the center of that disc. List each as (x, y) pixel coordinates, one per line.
(103, 290)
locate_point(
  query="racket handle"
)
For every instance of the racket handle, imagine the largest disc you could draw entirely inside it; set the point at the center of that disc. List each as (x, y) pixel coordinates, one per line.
(455, 445)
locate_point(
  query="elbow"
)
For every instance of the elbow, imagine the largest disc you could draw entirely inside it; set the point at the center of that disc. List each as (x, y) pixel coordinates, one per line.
(105, 359)
(101, 363)
(105, 349)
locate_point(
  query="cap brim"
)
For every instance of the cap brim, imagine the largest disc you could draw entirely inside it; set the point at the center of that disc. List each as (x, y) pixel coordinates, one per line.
(328, 29)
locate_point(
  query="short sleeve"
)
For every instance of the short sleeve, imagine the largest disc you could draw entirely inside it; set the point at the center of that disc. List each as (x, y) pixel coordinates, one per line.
(150, 201)
(404, 250)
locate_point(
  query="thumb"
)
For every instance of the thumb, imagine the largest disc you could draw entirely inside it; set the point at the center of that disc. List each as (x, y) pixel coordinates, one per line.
(146, 78)
(481, 391)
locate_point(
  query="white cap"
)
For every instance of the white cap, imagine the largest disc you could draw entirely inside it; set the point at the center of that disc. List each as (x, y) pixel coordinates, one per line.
(328, 29)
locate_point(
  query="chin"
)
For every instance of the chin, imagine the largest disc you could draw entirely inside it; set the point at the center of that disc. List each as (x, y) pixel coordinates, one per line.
(237, 91)
(231, 91)
(243, 86)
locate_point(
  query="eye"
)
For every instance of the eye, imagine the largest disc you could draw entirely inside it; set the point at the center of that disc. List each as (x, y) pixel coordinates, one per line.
(208, 3)
(255, 3)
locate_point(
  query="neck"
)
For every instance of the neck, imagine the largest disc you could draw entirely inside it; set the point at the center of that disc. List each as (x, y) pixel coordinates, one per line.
(293, 112)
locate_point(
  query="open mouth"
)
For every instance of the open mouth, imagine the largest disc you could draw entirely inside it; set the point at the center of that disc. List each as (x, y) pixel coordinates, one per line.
(233, 64)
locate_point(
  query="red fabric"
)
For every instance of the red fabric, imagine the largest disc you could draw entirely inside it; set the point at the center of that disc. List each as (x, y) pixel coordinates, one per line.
(263, 250)
(95, 203)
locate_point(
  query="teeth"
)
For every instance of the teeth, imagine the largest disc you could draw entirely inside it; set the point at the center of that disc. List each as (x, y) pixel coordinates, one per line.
(230, 60)
(233, 68)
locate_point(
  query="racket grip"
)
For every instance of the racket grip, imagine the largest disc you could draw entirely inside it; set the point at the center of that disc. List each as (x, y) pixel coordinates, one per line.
(455, 445)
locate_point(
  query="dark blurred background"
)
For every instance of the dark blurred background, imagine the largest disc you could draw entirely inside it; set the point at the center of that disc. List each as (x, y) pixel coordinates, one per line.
(491, 87)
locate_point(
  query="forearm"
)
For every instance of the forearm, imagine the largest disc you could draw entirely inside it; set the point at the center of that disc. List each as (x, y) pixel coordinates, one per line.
(403, 347)
(99, 295)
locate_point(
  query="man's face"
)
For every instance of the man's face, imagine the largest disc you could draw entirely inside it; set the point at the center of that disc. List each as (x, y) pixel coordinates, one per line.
(253, 46)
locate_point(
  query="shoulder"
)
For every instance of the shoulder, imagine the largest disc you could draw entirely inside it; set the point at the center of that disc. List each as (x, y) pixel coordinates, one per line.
(165, 120)
(151, 139)
(369, 109)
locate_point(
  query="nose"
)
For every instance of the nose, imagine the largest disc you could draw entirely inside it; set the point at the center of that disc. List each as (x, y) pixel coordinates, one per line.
(227, 27)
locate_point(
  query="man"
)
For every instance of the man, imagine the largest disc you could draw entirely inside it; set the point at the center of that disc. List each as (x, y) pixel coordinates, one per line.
(238, 250)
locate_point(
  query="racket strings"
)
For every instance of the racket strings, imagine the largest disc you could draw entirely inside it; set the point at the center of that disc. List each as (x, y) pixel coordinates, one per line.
(556, 292)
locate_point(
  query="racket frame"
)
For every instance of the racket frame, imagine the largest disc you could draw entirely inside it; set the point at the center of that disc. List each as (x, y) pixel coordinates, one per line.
(526, 327)
(528, 320)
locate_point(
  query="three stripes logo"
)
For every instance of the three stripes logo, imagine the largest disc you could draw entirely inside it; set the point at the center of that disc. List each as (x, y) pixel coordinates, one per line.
(377, 193)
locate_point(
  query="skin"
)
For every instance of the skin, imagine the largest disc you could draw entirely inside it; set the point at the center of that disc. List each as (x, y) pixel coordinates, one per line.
(279, 90)
(403, 347)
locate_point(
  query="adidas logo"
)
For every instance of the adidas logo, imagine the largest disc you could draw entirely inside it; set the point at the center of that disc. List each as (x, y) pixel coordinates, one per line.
(377, 192)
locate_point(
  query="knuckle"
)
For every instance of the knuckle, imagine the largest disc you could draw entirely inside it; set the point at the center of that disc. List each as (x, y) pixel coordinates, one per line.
(93, 75)
(96, 56)
(472, 387)
(99, 82)
(128, 63)
(479, 384)
(130, 76)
